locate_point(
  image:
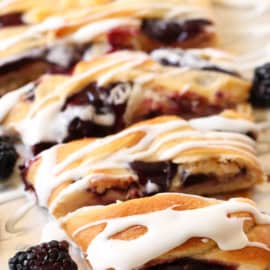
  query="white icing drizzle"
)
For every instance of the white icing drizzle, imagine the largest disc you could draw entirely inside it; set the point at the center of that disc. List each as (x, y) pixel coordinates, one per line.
(11, 195)
(88, 32)
(45, 168)
(57, 174)
(8, 101)
(219, 122)
(255, 7)
(211, 222)
(168, 9)
(195, 58)
(35, 31)
(17, 216)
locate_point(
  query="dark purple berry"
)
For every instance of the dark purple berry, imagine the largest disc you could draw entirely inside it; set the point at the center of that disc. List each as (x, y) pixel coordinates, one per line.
(192, 264)
(8, 157)
(159, 173)
(260, 92)
(168, 31)
(47, 256)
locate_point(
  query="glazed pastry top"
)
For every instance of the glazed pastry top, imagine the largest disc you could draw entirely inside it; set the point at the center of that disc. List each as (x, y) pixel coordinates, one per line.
(171, 221)
(160, 139)
(133, 70)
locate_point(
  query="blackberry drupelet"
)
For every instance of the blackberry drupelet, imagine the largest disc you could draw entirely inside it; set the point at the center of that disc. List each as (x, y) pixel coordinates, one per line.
(47, 256)
(8, 157)
(260, 92)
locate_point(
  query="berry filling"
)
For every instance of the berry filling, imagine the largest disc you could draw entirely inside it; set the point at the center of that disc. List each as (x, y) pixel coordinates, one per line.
(105, 108)
(189, 179)
(186, 105)
(192, 264)
(98, 111)
(157, 175)
(11, 19)
(104, 104)
(260, 92)
(27, 67)
(47, 256)
(189, 105)
(121, 38)
(59, 59)
(168, 32)
(8, 158)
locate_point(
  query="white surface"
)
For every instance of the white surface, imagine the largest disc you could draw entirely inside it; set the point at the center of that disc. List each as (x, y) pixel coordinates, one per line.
(245, 31)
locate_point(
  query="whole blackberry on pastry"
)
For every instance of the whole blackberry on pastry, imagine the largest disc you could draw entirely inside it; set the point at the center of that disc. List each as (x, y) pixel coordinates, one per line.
(260, 93)
(47, 256)
(8, 158)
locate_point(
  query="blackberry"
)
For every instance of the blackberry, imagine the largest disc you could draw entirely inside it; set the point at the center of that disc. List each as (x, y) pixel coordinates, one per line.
(260, 92)
(8, 157)
(47, 256)
(168, 31)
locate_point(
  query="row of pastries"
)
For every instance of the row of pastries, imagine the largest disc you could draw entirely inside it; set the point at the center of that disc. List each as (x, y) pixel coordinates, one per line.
(126, 121)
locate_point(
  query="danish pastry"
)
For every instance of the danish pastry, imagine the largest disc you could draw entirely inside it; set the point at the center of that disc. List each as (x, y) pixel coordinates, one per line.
(164, 154)
(113, 91)
(56, 43)
(172, 231)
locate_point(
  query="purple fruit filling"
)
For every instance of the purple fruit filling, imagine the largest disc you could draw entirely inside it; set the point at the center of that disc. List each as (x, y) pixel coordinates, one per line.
(159, 173)
(167, 31)
(99, 98)
(11, 19)
(59, 59)
(190, 105)
(192, 264)
(162, 174)
(188, 179)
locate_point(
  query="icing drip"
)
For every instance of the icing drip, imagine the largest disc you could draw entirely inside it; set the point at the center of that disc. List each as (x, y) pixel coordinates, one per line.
(34, 31)
(257, 7)
(195, 58)
(88, 32)
(141, 151)
(212, 222)
(17, 216)
(11, 195)
(218, 122)
(8, 101)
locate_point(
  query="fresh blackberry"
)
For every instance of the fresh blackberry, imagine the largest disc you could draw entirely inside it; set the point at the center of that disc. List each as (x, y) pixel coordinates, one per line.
(260, 92)
(47, 256)
(8, 157)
